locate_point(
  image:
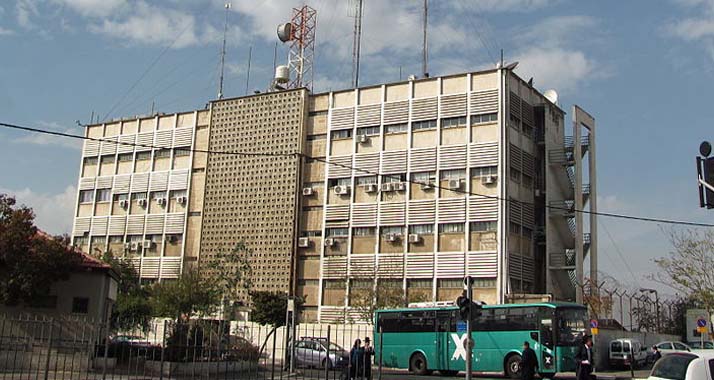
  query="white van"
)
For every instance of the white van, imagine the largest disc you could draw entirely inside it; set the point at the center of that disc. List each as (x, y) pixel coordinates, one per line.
(625, 351)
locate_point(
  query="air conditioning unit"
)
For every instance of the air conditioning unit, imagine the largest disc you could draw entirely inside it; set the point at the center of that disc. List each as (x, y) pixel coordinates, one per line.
(127, 246)
(454, 184)
(488, 180)
(362, 139)
(181, 200)
(134, 246)
(308, 191)
(148, 244)
(427, 186)
(414, 238)
(142, 202)
(342, 190)
(391, 237)
(171, 238)
(161, 201)
(400, 186)
(303, 242)
(124, 203)
(388, 186)
(329, 242)
(370, 188)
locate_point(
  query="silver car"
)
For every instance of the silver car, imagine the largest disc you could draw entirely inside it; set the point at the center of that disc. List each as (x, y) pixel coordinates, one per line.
(314, 352)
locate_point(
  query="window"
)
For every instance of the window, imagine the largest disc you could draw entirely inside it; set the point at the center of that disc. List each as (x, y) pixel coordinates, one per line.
(361, 284)
(317, 113)
(104, 195)
(446, 175)
(395, 128)
(528, 130)
(486, 171)
(182, 152)
(394, 178)
(80, 241)
(134, 238)
(334, 284)
(515, 122)
(515, 175)
(162, 153)
(419, 284)
(422, 229)
(514, 228)
(340, 182)
(90, 160)
(311, 234)
(423, 125)
(424, 177)
(341, 134)
(140, 156)
(366, 180)
(137, 196)
(453, 122)
(527, 181)
(120, 197)
(672, 366)
(80, 305)
(391, 230)
(451, 228)
(368, 131)
(364, 231)
(484, 118)
(86, 196)
(158, 194)
(484, 282)
(483, 226)
(108, 159)
(177, 193)
(337, 232)
(116, 239)
(321, 136)
(527, 233)
(126, 157)
(450, 283)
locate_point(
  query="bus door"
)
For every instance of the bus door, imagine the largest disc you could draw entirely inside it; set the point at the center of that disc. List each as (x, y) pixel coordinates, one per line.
(446, 321)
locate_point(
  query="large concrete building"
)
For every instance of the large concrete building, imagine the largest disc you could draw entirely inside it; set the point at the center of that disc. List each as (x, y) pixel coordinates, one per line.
(409, 185)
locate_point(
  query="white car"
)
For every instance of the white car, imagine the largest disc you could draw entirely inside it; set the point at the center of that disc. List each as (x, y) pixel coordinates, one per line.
(684, 366)
(670, 347)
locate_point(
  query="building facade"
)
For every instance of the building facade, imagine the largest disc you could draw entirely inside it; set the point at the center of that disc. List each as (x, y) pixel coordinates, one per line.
(409, 186)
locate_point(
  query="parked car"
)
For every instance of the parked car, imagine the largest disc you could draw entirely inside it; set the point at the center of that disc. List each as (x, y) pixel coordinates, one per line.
(670, 347)
(625, 351)
(684, 366)
(318, 352)
(132, 346)
(698, 345)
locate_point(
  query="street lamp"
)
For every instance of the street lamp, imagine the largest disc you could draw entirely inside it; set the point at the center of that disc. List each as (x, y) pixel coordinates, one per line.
(654, 291)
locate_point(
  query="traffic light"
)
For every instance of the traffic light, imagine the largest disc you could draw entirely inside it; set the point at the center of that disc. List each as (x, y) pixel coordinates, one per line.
(465, 305)
(705, 171)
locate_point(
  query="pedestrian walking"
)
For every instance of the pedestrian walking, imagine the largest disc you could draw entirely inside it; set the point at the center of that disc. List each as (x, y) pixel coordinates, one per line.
(656, 355)
(529, 362)
(584, 359)
(356, 358)
(368, 353)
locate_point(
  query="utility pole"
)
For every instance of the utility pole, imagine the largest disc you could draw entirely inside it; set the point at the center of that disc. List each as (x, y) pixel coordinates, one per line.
(468, 310)
(223, 52)
(425, 46)
(357, 42)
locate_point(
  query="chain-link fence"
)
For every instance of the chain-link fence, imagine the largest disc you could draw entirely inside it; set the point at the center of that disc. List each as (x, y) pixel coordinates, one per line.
(33, 347)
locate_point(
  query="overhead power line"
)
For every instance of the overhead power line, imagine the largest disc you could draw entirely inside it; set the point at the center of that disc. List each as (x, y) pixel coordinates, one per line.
(369, 172)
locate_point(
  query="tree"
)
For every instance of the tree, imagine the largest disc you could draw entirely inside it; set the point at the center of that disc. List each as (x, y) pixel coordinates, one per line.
(689, 268)
(133, 308)
(190, 295)
(30, 260)
(231, 273)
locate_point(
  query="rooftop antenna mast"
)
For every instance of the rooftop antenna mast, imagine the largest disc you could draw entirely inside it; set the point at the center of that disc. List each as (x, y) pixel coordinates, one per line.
(301, 34)
(223, 52)
(425, 46)
(356, 41)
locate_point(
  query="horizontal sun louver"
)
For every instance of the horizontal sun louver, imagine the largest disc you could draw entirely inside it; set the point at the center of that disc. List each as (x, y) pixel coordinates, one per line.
(339, 167)
(337, 224)
(86, 184)
(182, 137)
(422, 159)
(155, 224)
(452, 157)
(334, 267)
(99, 226)
(125, 147)
(396, 112)
(144, 141)
(394, 162)
(452, 210)
(483, 209)
(117, 225)
(514, 212)
(484, 102)
(170, 267)
(104, 182)
(81, 226)
(342, 118)
(370, 115)
(163, 139)
(420, 265)
(482, 264)
(527, 113)
(483, 154)
(159, 181)
(122, 184)
(91, 148)
(178, 180)
(391, 214)
(515, 102)
(520, 267)
(362, 266)
(135, 225)
(150, 267)
(337, 212)
(109, 146)
(364, 214)
(140, 183)
(332, 314)
(528, 164)
(450, 265)
(366, 164)
(175, 223)
(453, 105)
(516, 157)
(425, 109)
(390, 266)
(528, 215)
(422, 212)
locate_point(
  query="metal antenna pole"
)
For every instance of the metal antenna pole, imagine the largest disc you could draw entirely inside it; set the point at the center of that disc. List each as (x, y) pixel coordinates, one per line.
(247, 79)
(425, 46)
(357, 43)
(223, 52)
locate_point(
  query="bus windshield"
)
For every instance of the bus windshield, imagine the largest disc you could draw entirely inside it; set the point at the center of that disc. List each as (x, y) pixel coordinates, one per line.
(571, 326)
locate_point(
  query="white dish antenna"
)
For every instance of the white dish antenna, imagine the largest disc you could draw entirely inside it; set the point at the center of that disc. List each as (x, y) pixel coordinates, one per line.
(551, 95)
(285, 32)
(282, 74)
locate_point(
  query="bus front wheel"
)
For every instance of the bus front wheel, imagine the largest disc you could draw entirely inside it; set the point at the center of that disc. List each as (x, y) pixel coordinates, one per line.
(513, 364)
(417, 364)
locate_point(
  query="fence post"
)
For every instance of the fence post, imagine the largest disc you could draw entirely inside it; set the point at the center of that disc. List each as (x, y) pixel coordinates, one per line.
(49, 350)
(272, 367)
(163, 348)
(327, 367)
(106, 349)
(381, 344)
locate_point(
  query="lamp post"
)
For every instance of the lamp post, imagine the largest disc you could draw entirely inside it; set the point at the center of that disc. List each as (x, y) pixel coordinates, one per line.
(654, 291)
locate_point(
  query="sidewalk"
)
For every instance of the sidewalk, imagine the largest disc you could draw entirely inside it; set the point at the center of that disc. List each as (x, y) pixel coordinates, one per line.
(614, 375)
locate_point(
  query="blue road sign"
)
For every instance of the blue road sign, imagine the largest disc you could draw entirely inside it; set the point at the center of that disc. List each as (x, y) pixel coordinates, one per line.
(461, 326)
(701, 322)
(593, 323)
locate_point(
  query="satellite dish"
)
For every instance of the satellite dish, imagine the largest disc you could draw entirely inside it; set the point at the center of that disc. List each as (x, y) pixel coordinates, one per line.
(285, 32)
(552, 96)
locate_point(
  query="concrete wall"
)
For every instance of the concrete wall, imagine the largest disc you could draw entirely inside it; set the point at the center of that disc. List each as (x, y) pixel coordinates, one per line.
(602, 342)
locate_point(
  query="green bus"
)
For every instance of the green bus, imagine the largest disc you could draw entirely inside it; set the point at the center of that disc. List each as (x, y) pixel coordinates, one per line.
(432, 338)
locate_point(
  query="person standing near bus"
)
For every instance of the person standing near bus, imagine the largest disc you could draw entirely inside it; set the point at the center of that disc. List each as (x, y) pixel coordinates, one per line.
(356, 358)
(368, 353)
(584, 359)
(529, 362)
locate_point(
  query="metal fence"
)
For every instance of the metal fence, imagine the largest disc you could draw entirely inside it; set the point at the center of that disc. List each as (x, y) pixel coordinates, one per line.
(34, 347)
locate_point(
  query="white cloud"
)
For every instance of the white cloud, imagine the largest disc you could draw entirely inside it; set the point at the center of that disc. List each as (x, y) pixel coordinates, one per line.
(44, 139)
(53, 212)
(93, 8)
(6, 32)
(25, 10)
(697, 29)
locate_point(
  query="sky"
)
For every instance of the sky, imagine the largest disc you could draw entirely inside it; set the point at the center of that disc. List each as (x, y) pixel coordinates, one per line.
(643, 68)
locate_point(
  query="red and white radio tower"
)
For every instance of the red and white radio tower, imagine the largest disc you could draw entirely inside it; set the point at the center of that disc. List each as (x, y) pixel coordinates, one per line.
(302, 47)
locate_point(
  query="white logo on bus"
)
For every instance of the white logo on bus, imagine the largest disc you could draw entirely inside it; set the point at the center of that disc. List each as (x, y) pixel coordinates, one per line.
(460, 344)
